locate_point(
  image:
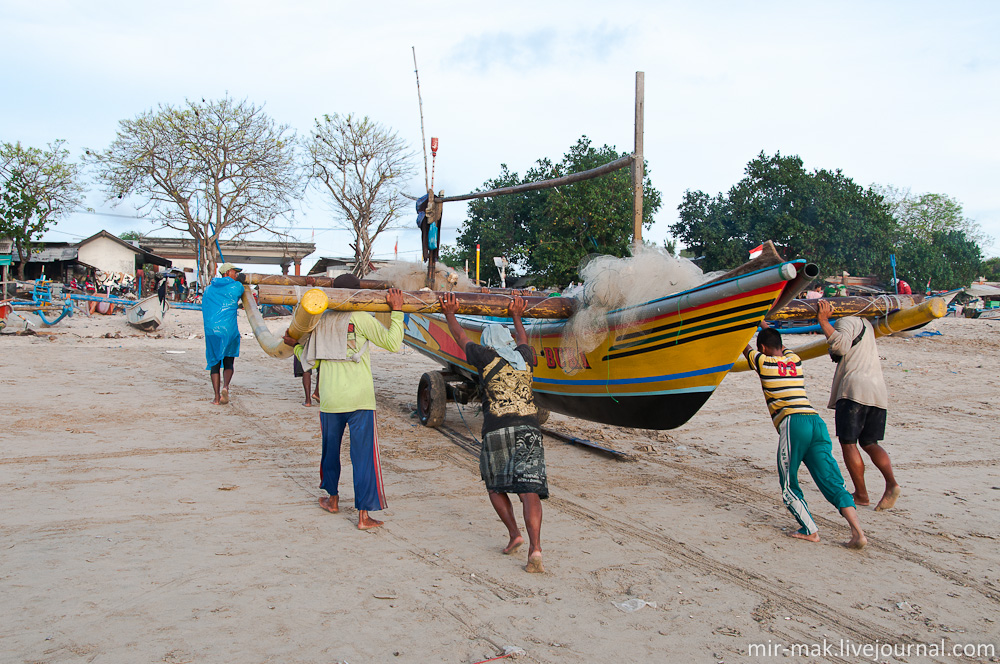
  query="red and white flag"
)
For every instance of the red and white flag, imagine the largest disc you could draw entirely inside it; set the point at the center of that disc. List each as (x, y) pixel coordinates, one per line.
(757, 251)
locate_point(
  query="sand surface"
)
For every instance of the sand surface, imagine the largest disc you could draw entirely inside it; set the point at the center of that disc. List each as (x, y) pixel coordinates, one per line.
(140, 523)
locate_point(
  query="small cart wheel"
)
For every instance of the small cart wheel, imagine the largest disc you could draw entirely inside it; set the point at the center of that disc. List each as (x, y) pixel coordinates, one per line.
(432, 398)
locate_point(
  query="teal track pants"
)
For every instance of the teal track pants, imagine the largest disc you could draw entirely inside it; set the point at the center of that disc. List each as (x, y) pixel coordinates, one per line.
(803, 438)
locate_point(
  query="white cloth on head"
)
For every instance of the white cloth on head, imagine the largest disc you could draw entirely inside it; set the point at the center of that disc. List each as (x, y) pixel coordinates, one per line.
(498, 338)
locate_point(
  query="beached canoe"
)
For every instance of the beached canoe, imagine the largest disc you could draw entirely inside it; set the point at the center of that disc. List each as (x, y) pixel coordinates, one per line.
(659, 363)
(146, 314)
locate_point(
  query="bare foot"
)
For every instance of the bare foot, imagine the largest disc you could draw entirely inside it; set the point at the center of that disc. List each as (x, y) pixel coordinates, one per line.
(315, 396)
(513, 545)
(534, 565)
(809, 538)
(888, 499)
(861, 500)
(857, 542)
(224, 399)
(215, 401)
(330, 503)
(307, 402)
(365, 522)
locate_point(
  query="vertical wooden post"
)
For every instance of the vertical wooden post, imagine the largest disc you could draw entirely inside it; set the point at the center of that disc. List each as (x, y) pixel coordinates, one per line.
(637, 164)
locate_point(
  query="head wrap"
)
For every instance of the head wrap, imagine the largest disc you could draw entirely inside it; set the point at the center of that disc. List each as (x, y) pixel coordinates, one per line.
(498, 338)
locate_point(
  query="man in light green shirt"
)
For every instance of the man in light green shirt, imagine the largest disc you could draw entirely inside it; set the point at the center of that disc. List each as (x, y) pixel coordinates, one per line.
(340, 347)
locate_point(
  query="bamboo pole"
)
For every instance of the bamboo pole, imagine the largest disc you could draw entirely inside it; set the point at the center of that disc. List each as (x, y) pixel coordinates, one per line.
(898, 321)
(426, 302)
(305, 317)
(865, 307)
(544, 184)
(253, 278)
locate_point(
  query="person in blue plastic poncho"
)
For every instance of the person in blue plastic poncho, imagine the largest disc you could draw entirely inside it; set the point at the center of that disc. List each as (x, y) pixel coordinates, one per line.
(222, 337)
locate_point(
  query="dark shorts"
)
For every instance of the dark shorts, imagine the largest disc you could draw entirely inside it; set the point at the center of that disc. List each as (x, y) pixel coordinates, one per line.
(297, 367)
(226, 363)
(512, 461)
(857, 422)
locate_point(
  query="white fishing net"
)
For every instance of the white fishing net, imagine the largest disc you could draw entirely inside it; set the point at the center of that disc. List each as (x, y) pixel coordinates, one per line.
(412, 276)
(611, 283)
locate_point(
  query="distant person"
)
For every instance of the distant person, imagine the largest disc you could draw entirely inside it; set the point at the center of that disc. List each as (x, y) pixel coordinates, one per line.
(306, 377)
(903, 288)
(222, 335)
(860, 400)
(802, 437)
(512, 459)
(338, 346)
(161, 292)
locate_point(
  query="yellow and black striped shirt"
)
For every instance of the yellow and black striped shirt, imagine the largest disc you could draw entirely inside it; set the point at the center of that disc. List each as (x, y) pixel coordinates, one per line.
(783, 384)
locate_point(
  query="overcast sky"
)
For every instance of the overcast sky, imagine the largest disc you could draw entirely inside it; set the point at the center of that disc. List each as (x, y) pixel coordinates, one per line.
(900, 93)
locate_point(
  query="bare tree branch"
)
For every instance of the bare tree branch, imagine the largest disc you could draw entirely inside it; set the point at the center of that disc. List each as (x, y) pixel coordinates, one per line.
(215, 170)
(360, 165)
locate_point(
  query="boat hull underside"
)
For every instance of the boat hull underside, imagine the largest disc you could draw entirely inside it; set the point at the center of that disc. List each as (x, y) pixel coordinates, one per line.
(660, 411)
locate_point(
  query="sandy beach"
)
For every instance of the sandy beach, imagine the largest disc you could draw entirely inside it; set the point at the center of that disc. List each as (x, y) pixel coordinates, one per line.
(140, 523)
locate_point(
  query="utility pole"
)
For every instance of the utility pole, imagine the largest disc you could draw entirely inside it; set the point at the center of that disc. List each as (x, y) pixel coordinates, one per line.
(637, 164)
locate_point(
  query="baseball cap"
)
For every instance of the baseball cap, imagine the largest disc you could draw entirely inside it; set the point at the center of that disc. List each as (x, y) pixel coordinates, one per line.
(226, 267)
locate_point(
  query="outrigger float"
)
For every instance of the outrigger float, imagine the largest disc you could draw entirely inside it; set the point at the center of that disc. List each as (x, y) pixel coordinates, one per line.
(658, 365)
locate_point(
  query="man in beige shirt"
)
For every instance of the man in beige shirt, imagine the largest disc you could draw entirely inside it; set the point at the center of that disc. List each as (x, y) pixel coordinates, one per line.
(860, 400)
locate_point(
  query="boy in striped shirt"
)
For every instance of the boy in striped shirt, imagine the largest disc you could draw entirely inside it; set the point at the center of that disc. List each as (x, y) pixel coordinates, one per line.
(802, 437)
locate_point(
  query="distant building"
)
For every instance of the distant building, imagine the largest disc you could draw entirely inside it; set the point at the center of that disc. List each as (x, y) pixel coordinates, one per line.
(333, 267)
(183, 252)
(102, 251)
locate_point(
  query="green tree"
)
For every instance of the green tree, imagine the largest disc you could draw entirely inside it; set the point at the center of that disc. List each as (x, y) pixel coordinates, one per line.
(948, 259)
(359, 164)
(822, 216)
(933, 239)
(990, 269)
(920, 215)
(39, 186)
(214, 170)
(131, 236)
(548, 232)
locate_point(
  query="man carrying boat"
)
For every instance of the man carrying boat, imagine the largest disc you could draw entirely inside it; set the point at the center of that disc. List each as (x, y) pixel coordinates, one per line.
(512, 459)
(222, 336)
(802, 437)
(860, 399)
(339, 347)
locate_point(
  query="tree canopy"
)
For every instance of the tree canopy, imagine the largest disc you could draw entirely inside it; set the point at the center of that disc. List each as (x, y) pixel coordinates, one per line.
(39, 186)
(359, 164)
(825, 217)
(219, 169)
(548, 232)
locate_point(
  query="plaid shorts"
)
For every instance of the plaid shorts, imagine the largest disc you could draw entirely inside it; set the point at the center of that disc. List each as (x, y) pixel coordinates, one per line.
(513, 461)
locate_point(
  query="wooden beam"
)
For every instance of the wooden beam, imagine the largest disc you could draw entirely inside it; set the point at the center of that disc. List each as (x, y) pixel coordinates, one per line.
(865, 307)
(545, 184)
(423, 302)
(637, 161)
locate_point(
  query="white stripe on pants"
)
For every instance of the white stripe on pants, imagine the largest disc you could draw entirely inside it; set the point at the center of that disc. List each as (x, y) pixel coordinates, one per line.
(795, 504)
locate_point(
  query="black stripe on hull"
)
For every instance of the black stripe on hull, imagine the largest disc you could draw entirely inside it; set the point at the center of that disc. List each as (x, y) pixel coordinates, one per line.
(658, 411)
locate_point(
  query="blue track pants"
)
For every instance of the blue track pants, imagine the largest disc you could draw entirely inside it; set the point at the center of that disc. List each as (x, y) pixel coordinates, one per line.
(369, 493)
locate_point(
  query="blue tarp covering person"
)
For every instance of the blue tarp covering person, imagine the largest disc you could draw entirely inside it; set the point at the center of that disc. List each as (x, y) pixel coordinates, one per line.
(222, 336)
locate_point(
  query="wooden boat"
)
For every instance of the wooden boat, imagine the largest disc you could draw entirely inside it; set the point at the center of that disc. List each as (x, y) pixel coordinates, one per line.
(658, 365)
(653, 374)
(146, 314)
